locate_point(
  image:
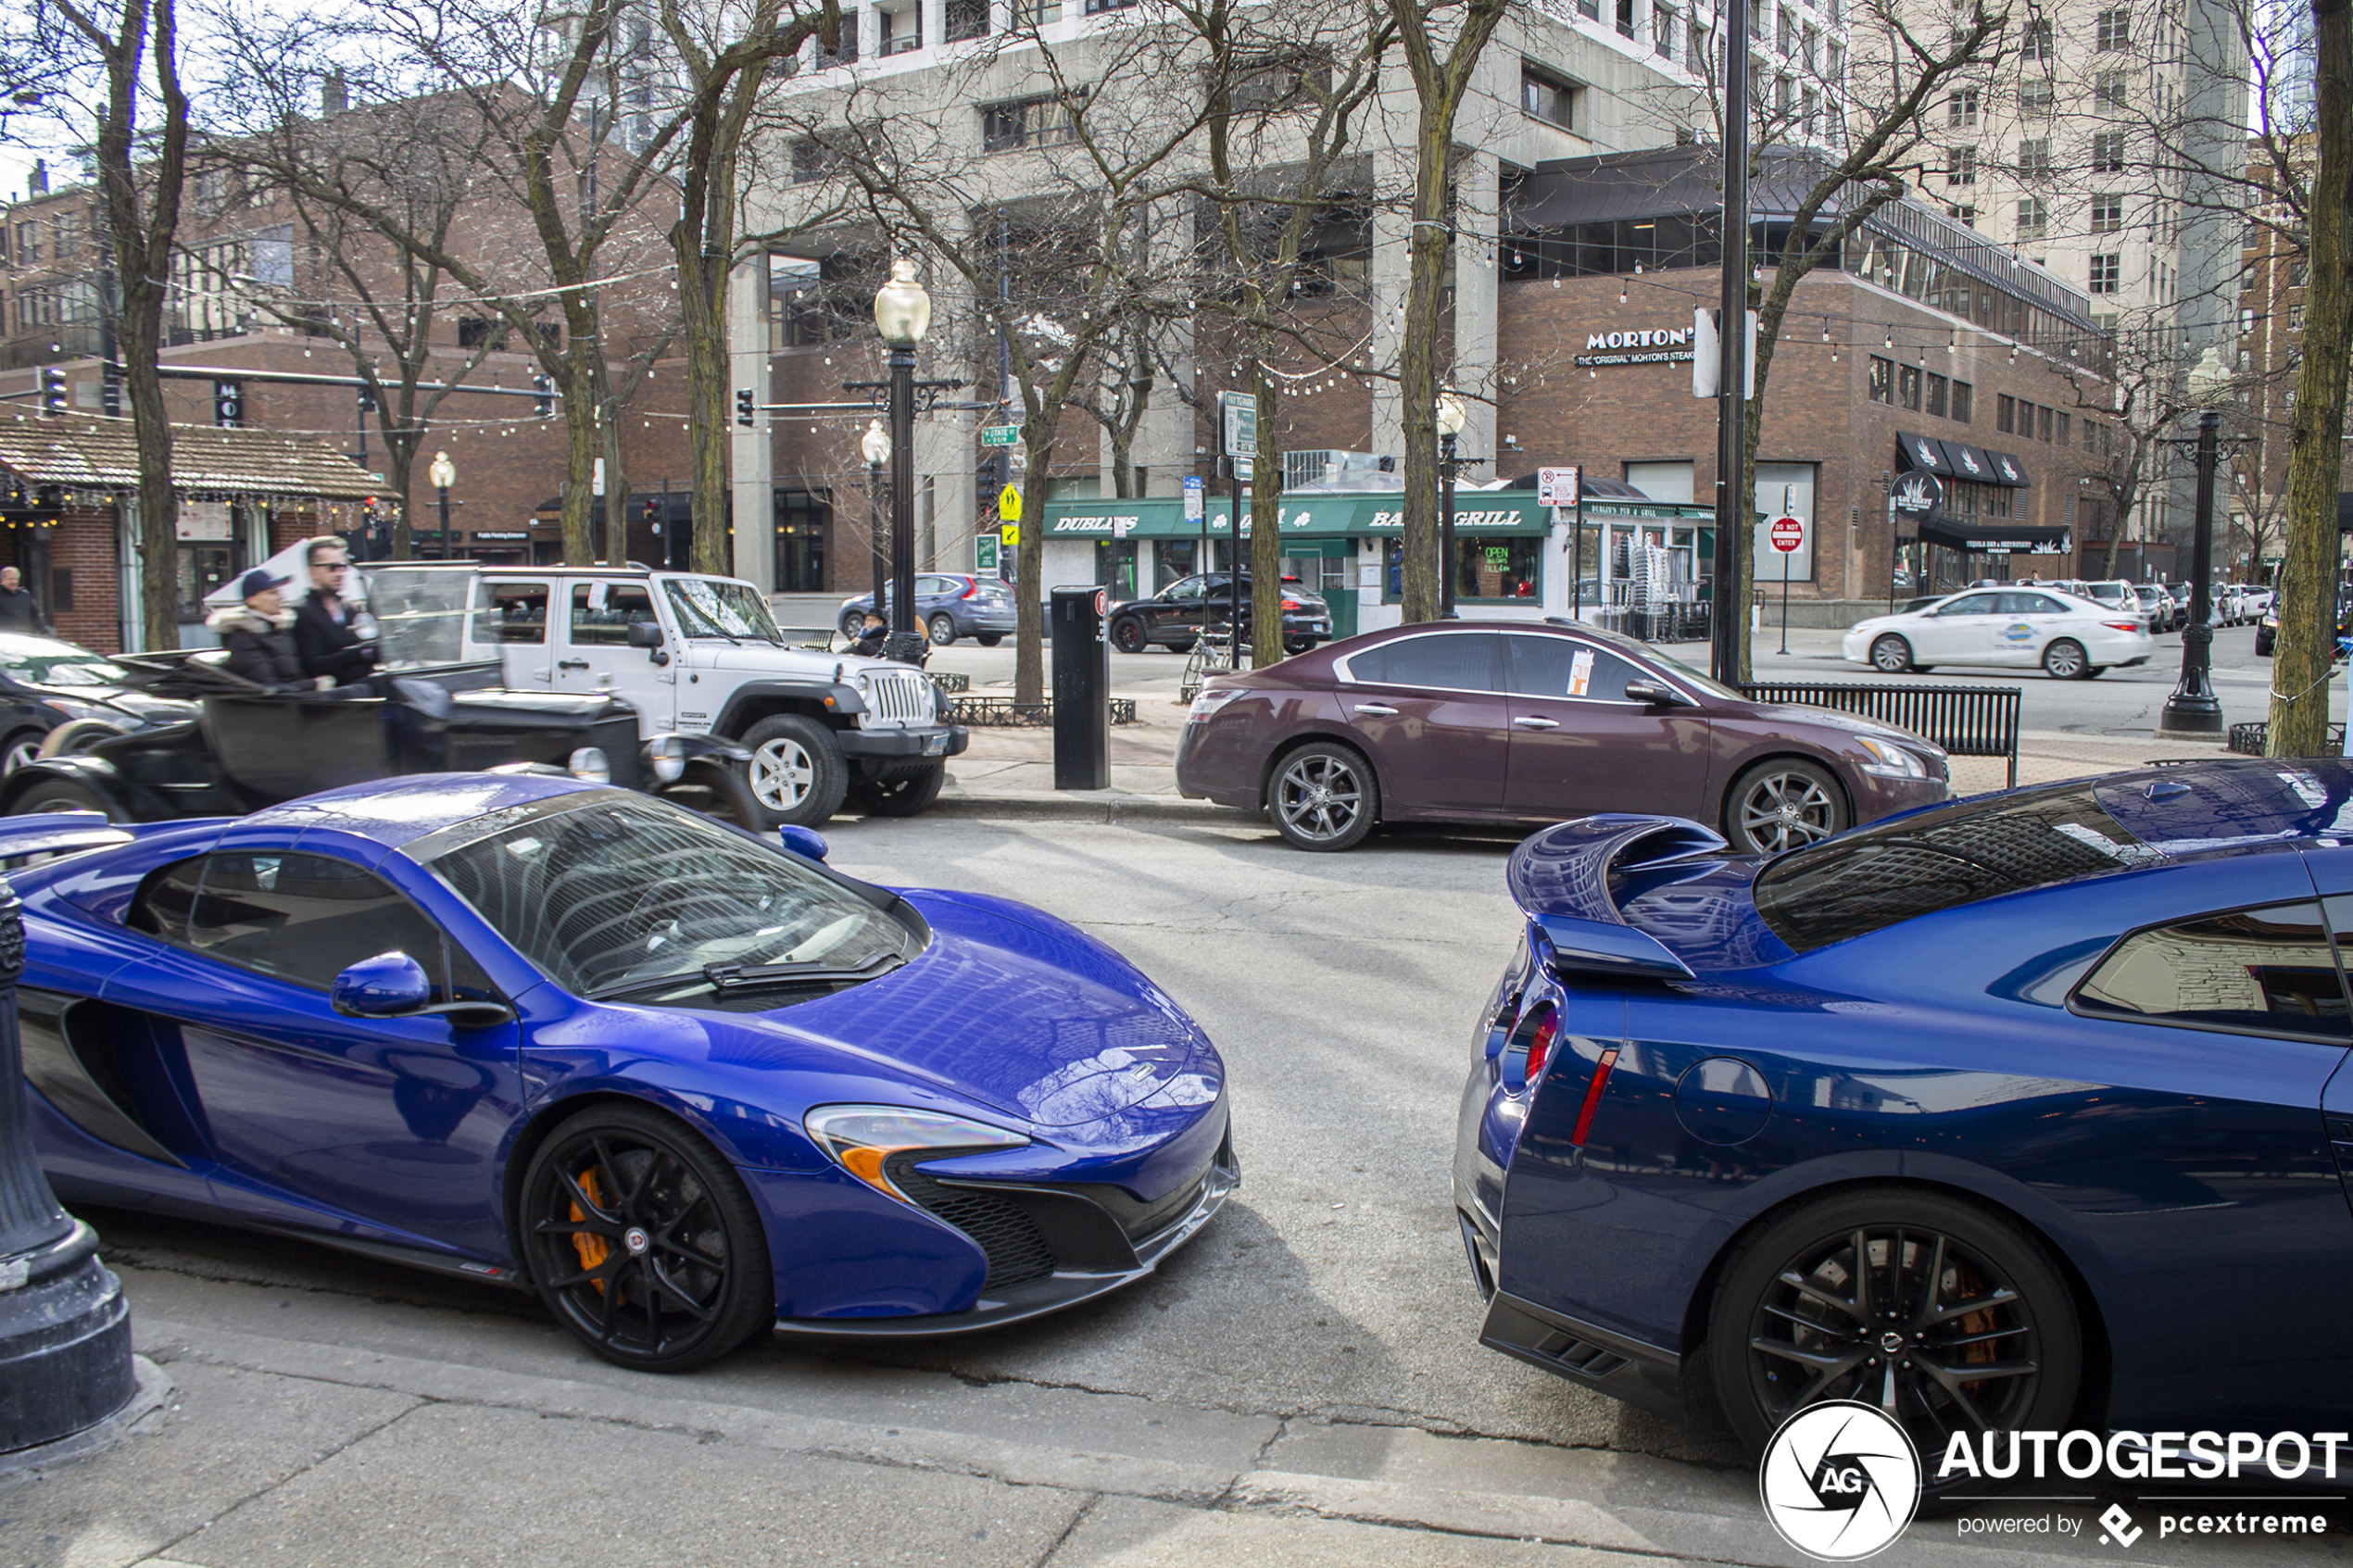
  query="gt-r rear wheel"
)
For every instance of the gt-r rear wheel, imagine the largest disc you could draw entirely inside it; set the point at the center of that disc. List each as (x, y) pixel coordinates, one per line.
(1324, 797)
(1784, 805)
(642, 1242)
(1948, 1317)
(1891, 655)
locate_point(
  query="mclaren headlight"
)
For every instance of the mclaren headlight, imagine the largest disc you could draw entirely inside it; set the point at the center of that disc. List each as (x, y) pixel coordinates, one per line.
(588, 765)
(666, 757)
(861, 1139)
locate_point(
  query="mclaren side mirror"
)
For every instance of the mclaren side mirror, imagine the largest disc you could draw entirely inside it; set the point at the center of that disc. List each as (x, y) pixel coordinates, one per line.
(395, 986)
(807, 843)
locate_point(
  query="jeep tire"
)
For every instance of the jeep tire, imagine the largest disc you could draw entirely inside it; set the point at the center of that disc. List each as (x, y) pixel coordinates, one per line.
(798, 774)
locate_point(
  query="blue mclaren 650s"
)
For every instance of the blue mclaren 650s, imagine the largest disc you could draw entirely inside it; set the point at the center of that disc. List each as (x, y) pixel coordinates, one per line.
(2026, 1111)
(687, 1084)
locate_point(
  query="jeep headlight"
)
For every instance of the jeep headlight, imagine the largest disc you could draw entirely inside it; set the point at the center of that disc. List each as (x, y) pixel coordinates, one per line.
(861, 1139)
(1891, 761)
(666, 757)
(589, 766)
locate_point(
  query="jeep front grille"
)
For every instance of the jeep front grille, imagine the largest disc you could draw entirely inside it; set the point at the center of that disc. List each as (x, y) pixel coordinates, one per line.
(900, 697)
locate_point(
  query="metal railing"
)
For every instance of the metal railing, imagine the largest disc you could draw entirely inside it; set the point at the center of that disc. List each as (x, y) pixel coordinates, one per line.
(1965, 720)
(1004, 713)
(2248, 740)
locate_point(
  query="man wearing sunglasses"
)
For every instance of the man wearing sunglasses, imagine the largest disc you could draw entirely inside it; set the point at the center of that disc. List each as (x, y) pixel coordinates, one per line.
(329, 644)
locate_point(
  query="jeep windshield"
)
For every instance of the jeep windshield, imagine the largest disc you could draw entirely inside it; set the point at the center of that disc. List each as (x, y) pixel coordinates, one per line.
(628, 896)
(733, 610)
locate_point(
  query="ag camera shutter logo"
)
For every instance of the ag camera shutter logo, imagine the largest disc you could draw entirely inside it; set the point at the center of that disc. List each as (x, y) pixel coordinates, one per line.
(1841, 1481)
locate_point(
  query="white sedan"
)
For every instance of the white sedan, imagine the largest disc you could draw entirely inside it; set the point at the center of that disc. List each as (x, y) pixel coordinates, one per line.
(2070, 638)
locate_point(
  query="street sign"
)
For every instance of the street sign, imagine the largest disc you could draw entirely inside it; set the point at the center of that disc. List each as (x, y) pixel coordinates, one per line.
(1916, 494)
(1192, 497)
(985, 555)
(1237, 425)
(1009, 504)
(1000, 435)
(1246, 469)
(1789, 534)
(1557, 487)
(1010, 534)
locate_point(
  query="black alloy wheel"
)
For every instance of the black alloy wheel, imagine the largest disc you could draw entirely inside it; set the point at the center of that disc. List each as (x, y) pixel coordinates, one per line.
(62, 795)
(1127, 635)
(1783, 804)
(2064, 660)
(1324, 797)
(642, 1242)
(903, 795)
(1946, 1316)
(25, 747)
(1891, 655)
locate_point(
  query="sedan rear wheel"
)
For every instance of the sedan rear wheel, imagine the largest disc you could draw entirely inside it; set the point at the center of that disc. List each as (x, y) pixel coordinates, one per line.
(1784, 805)
(2064, 660)
(642, 1242)
(943, 630)
(1324, 798)
(1891, 655)
(1946, 1317)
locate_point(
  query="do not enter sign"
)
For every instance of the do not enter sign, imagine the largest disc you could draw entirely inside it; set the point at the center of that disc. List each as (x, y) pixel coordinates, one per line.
(1789, 534)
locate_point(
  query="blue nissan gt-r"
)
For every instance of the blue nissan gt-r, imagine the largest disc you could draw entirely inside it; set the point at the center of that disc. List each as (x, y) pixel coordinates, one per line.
(2023, 1111)
(685, 1084)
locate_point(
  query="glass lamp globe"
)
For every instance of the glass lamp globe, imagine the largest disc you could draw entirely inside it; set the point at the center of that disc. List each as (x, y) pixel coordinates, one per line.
(874, 445)
(903, 310)
(1451, 415)
(443, 472)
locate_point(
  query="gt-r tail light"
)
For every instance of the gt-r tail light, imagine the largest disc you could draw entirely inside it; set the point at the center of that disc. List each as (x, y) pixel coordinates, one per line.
(1592, 1097)
(1539, 1041)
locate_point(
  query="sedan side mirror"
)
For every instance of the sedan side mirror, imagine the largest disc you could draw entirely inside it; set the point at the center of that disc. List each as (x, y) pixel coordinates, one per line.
(1657, 693)
(807, 843)
(395, 986)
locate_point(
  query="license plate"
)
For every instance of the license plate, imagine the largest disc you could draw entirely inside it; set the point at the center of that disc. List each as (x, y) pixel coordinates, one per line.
(934, 745)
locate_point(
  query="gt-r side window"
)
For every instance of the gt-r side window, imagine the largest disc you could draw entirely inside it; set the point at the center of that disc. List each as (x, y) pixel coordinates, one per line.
(2269, 971)
(298, 918)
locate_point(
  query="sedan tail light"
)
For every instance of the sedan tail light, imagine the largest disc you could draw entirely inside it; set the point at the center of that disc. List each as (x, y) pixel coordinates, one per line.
(2124, 625)
(1292, 604)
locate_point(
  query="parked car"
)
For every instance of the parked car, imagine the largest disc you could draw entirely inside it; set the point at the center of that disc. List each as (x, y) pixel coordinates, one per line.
(569, 1039)
(1173, 617)
(1522, 722)
(2158, 604)
(948, 607)
(46, 684)
(2011, 1114)
(2070, 638)
(247, 748)
(822, 727)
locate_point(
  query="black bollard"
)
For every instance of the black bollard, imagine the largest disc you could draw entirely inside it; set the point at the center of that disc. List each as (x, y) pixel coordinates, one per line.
(64, 1329)
(1082, 690)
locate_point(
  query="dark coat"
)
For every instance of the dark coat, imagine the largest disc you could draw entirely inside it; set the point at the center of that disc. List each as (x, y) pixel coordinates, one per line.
(19, 612)
(329, 646)
(261, 649)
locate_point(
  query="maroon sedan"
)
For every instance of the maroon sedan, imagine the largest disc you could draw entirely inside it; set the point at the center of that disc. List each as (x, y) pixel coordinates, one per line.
(1517, 722)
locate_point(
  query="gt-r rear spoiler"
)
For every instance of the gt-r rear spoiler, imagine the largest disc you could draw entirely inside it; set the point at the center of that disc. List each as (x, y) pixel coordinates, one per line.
(1560, 879)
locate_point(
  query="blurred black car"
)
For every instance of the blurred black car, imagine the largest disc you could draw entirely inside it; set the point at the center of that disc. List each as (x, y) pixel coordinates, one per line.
(45, 684)
(948, 606)
(1173, 617)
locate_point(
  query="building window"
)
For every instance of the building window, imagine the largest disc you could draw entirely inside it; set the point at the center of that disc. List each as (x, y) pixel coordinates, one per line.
(812, 159)
(2107, 214)
(2296, 318)
(2034, 159)
(2107, 153)
(1960, 109)
(474, 332)
(2298, 274)
(29, 244)
(966, 19)
(2034, 99)
(1548, 99)
(1592, 9)
(848, 53)
(2036, 43)
(1963, 215)
(1882, 380)
(902, 32)
(1626, 19)
(1663, 32)
(2042, 425)
(1938, 389)
(1960, 166)
(1964, 397)
(1813, 111)
(1908, 386)
(1786, 38)
(2106, 272)
(2033, 218)
(2004, 413)
(1026, 123)
(2109, 88)
(2113, 30)
(2065, 436)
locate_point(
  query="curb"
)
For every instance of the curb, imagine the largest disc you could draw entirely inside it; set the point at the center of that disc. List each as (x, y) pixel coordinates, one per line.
(1110, 805)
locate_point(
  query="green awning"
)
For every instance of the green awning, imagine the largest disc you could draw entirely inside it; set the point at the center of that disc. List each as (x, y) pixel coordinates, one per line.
(1320, 516)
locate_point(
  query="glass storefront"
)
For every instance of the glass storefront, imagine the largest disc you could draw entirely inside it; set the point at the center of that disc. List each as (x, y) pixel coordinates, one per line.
(801, 519)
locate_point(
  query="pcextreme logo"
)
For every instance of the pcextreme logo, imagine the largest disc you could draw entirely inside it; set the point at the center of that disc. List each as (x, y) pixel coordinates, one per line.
(1840, 1481)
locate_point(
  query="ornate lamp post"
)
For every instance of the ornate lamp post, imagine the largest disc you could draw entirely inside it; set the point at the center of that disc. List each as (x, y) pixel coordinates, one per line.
(443, 473)
(903, 314)
(2192, 712)
(1451, 416)
(875, 446)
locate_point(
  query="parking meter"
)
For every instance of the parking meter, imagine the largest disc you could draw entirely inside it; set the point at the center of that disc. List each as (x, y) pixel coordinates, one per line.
(1082, 689)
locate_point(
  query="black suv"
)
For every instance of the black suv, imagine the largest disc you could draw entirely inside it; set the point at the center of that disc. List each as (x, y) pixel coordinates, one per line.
(1173, 617)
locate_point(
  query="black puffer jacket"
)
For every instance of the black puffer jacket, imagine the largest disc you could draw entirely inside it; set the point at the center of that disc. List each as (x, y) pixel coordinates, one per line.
(261, 648)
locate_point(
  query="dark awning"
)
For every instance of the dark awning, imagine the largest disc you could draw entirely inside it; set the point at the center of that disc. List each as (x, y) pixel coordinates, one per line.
(1938, 528)
(1968, 463)
(2007, 470)
(1922, 452)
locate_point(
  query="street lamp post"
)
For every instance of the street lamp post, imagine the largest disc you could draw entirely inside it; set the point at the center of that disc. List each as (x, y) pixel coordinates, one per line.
(903, 313)
(443, 473)
(2192, 712)
(874, 445)
(1451, 416)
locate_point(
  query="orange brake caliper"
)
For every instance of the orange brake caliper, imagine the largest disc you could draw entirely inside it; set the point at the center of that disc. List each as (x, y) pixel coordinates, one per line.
(593, 1250)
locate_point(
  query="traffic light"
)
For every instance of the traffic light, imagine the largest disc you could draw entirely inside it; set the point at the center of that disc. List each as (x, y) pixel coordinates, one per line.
(367, 398)
(53, 389)
(743, 407)
(228, 404)
(991, 476)
(547, 389)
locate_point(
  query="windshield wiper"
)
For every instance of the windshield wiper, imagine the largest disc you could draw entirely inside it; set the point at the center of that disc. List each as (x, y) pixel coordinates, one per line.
(725, 977)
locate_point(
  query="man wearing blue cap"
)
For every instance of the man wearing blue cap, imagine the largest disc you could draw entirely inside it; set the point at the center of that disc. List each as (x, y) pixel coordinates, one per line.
(258, 634)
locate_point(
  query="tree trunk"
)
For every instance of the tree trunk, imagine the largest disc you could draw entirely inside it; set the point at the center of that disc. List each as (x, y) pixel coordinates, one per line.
(1265, 530)
(615, 544)
(580, 451)
(1418, 376)
(138, 334)
(702, 297)
(2305, 650)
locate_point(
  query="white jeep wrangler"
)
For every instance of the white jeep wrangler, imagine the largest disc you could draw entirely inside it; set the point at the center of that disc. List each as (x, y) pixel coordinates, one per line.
(695, 656)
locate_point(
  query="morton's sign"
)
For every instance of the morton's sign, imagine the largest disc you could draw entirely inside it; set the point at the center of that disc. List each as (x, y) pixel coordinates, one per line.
(1648, 346)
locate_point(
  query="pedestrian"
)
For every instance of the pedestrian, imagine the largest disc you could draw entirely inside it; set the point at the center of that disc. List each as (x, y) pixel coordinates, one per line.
(873, 636)
(19, 612)
(258, 634)
(323, 630)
